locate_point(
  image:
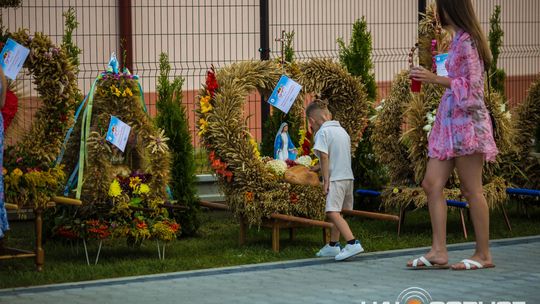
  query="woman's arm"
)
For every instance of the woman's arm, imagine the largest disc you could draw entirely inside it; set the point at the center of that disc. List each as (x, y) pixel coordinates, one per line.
(421, 74)
(468, 85)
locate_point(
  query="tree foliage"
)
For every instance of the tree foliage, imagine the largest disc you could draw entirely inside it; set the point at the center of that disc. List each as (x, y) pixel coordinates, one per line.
(497, 76)
(173, 119)
(356, 56)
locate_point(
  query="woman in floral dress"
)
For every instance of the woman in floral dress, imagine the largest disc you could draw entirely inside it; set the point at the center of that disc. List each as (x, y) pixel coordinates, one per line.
(4, 226)
(462, 135)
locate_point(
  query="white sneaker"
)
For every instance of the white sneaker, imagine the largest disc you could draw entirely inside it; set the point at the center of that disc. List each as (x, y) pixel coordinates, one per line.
(328, 251)
(350, 251)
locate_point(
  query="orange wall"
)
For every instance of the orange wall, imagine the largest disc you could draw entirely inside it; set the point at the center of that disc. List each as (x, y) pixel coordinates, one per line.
(516, 91)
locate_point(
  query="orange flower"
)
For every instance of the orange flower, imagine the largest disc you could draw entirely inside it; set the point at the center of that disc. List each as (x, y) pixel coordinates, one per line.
(141, 225)
(174, 227)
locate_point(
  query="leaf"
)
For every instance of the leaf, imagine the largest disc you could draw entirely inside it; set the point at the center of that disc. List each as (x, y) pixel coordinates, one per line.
(135, 201)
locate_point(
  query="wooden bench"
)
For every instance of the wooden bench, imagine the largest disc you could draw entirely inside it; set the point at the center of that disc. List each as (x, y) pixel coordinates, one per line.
(276, 222)
(451, 203)
(281, 221)
(38, 253)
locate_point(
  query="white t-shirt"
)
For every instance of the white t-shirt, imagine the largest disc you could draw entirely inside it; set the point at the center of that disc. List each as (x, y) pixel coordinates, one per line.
(333, 140)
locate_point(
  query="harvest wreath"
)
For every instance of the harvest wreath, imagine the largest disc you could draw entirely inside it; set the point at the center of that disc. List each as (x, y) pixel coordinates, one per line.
(123, 190)
(254, 186)
(30, 173)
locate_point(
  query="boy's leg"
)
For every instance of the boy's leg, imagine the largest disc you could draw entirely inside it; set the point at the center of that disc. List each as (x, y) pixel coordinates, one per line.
(341, 195)
(334, 232)
(340, 227)
(334, 204)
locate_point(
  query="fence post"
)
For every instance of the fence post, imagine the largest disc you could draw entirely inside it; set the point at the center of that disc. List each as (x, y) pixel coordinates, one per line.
(265, 55)
(126, 35)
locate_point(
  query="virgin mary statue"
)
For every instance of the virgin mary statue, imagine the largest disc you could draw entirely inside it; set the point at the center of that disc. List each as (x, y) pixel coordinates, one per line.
(283, 146)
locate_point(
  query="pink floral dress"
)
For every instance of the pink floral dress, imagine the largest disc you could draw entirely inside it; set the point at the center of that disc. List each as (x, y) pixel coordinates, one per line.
(463, 124)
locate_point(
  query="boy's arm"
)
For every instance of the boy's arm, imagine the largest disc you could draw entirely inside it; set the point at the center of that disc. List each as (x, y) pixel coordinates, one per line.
(325, 171)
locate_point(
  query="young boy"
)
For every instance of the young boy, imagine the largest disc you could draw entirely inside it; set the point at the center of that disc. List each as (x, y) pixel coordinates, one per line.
(333, 148)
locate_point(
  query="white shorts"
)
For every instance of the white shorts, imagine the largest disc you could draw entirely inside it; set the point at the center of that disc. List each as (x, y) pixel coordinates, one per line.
(340, 195)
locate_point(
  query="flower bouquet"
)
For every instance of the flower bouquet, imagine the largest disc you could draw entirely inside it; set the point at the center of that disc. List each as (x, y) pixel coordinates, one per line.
(28, 184)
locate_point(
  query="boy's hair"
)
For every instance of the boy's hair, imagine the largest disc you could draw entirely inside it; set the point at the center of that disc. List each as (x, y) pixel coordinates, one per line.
(317, 105)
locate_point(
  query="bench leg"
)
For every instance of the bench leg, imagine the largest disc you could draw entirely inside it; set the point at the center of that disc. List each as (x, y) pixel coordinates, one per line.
(243, 228)
(292, 234)
(506, 220)
(40, 253)
(326, 235)
(275, 236)
(401, 221)
(462, 218)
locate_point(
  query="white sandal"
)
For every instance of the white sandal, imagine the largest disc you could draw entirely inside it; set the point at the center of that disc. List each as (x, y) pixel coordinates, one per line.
(470, 263)
(426, 264)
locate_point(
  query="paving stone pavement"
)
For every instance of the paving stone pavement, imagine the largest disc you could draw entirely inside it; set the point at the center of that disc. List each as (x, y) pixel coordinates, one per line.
(368, 278)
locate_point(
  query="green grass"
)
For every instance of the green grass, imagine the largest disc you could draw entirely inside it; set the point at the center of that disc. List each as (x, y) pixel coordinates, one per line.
(217, 246)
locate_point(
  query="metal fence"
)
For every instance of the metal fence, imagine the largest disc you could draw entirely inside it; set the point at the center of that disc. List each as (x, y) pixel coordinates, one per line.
(197, 34)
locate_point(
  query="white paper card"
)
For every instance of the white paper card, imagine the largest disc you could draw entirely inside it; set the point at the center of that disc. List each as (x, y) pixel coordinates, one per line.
(118, 133)
(284, 94)
(12, 57)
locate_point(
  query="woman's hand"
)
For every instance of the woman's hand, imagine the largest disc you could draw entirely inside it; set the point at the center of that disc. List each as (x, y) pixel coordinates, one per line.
(421, 74)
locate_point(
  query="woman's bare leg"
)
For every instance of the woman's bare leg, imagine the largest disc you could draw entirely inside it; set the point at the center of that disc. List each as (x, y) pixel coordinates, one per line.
(437, 174)
(469, 170)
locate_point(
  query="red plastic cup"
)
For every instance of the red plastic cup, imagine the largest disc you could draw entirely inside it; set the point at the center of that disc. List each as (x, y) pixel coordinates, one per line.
(415, 86)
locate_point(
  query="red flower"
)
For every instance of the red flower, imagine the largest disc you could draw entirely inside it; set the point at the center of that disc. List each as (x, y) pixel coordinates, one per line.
(10, 108)
(306, 147)
(290, 163)
(211, 82)
(97, 229)
(67, 233)
(293, 197)
(229, 176)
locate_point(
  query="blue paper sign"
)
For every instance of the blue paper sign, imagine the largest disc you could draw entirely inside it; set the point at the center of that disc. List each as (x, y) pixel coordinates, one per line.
(440, 61)
(284, 94)
(12, 58)
(118, 133)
